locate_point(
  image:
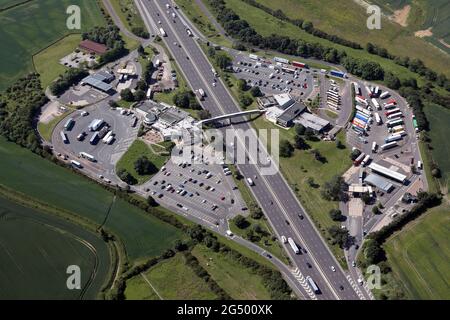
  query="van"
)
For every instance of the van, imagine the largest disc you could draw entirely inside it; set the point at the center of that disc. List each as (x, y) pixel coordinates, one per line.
(419, 165)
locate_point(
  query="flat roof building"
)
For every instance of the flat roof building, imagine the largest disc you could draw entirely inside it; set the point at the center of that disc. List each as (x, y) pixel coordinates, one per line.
(172, 116)
(91, 46)
(286, 119)
(95, 82)
(379, 182)
(313, 122)
(267, 102)
(284, 100)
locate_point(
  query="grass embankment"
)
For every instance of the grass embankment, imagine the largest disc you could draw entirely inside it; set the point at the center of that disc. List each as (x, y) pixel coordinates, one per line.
(439, 119)
(128, 14)
(156, 154)
(184, 283)
(201, 21)
(420, 253)
(239, 283)
(28, 28)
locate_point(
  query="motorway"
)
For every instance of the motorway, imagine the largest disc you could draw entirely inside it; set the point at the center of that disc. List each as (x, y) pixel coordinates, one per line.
(272, 192)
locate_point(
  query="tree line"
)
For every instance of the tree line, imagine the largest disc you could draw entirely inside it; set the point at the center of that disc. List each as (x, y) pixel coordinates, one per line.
(414, 65)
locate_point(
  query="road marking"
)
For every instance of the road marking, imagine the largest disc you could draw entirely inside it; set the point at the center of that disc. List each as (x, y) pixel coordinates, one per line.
(302, 280)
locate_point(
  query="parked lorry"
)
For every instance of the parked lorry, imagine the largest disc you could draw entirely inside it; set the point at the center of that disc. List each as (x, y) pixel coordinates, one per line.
(339, 74)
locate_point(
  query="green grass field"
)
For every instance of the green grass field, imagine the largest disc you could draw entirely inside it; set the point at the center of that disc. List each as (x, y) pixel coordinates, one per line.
(47, 63)
(266, 25)
(139, 289)
(439, 119)
(348, 20)
(36, 249)
(29, 28)
(238, 282)
(196, 15)
(173, 280)
(420, 255)
(157, 155)
(142, 234)
(128, 14)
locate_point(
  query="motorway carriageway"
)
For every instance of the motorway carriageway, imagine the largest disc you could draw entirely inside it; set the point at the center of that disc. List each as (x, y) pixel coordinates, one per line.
(280, 206)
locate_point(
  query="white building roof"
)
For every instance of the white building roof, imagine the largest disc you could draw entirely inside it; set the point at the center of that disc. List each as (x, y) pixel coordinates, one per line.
(284, 100)
(387, 172)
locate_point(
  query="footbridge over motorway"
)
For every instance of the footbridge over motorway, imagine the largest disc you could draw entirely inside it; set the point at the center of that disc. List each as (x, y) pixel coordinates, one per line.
(230, 116)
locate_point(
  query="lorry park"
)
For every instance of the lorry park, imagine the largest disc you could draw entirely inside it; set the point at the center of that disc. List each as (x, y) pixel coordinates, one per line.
(387, 163)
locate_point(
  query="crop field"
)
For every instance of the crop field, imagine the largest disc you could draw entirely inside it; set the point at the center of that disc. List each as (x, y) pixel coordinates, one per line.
(27, 173)
(424, 15)
(237, 281)
(36, 249)
(139, 148)
(439, 119)
(29, 28)
(420, 255)
(184, 283)
(334, 17)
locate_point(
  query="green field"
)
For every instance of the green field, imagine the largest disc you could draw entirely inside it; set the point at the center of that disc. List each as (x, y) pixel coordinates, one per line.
(29, 28)
(420, 255)
(47, 63)
(237, 281)
(348, 20)
(35, 251)
(9, 3)
(156, 154)
(27, 173)
(439, 119)
(173, 280)
(128, 14)
(139, 289)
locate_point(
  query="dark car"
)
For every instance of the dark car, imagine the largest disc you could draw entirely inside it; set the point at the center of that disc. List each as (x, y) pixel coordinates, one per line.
(309, 265)
(300, 216)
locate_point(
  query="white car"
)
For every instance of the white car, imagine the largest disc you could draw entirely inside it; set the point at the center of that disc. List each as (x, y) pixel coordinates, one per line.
(213, 84)
(333, 268)
(353, 264)
(204, 201)
(283, 239)
(159, 21)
